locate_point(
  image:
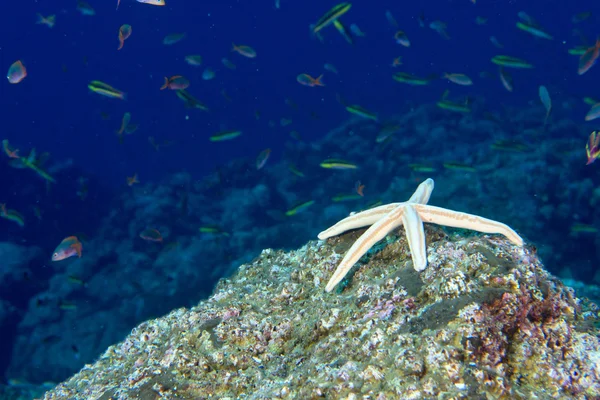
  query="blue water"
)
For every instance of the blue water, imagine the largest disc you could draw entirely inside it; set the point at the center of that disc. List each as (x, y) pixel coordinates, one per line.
(53, 110)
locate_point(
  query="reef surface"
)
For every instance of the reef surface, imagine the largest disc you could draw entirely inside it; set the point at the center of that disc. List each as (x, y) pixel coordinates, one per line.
(484, 320)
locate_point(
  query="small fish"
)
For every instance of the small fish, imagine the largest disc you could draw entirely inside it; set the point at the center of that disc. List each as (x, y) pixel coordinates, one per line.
(307, 80)
(546, 101)
(213, 230)
(225, 135)
(124, 123)
(124, 33)
(580, 17)
(593, 113)
(495, 42)
(459, 79)
(153, 2)
(331, 68)
(262, 158)
(173, 38)
(67, 306)
(339, 198)
(510, 145)
(84, 8)
(511, 62)
(34, 163)
(361, 112)
(592, 147)
(479, 20)
(190, 101)
(356, 31)
(76, 281)
(151, 235)
(456, 166)
(106, 90)
(10, 152)
(82, 188)
(246, 51)
(530, 26)
(299, 208)
(296, 171)
(49, 21)
(453, 106)
(176, 82)
(578, 227)
(341, 28)
(332, 15)
(440, 27)
(132, 180)
(390, 18)
(208, 74)
(402, 39)
(506, 79)
(69, 247)
(421, 19)
(424, 168)
(386, 133)
(12, 215)
(334, 163)
(410, 79)
(228, 64)
(17, 72)
(397, 62)
(578, 50)
(589, 58)
(194, 60)
(359, 188)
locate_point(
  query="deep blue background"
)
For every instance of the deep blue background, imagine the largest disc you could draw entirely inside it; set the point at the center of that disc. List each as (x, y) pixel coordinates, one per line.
(53, 110)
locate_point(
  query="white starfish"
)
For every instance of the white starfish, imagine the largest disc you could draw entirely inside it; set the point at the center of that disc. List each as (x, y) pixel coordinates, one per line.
(411, 214)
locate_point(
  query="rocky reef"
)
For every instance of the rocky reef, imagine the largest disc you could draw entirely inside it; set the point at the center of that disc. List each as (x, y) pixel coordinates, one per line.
(484, 320)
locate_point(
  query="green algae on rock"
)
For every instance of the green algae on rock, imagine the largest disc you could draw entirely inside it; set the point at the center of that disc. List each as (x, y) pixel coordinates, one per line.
(484, 320)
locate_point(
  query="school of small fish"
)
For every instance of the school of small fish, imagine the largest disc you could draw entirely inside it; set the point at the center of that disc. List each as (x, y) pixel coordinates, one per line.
(332, 20)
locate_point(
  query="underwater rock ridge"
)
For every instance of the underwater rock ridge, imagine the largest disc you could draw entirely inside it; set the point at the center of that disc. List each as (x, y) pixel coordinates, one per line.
(484, 320)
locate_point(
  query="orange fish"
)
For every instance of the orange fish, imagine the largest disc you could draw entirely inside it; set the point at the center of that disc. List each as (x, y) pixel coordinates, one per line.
(246, 51)
(69, 247)
(359, 187)
(589, 58)
(132, 180)
(176, 82)
(124, 33)
(307, 80)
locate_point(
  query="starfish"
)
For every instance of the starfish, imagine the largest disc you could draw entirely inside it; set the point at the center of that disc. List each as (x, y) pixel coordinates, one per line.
(411, 214)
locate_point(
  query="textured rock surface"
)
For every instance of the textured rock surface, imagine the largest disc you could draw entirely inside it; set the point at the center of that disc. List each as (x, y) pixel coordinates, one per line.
(484, 320)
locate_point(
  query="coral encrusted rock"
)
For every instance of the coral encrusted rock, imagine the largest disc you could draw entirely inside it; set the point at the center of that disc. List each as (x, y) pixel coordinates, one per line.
(483, 321)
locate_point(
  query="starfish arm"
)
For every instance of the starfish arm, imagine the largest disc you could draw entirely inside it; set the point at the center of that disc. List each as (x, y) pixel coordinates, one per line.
(374, 234)
(423, 192)
(455, 219)
(358, 220)
(413, 226)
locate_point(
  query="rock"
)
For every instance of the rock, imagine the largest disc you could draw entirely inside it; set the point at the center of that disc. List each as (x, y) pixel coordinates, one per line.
(484, 320)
